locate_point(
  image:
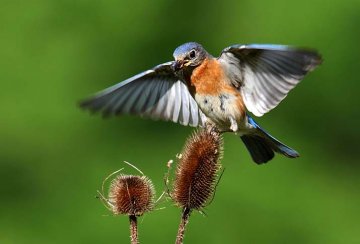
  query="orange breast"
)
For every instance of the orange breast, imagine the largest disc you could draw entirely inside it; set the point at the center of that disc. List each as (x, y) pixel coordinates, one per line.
(208, 78)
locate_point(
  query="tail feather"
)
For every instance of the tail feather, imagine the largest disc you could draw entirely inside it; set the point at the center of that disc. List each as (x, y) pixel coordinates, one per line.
(262, 145)
(258, 148)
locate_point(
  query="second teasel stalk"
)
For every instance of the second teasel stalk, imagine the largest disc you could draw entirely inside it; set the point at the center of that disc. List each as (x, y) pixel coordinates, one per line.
(129, 195)
(133, 196)
(197, 173)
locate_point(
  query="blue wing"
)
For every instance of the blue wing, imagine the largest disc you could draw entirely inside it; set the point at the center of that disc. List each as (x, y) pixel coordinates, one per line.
(264, 74)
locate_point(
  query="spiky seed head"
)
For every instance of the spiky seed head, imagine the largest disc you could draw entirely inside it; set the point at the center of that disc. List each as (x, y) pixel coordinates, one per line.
(131, 195)
(197, 170)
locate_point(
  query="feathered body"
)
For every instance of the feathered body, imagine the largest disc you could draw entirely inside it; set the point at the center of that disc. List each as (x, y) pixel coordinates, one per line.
(216, 97)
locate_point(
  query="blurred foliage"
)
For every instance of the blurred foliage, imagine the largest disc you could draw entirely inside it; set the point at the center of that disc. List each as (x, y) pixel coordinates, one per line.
(53, 156)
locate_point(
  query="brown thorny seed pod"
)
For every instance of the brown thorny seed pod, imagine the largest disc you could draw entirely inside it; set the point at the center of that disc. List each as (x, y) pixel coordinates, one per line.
(131, 195)
(197, 170)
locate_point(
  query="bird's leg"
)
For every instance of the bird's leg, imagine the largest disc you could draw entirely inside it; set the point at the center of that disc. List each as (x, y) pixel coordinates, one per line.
(234, 126)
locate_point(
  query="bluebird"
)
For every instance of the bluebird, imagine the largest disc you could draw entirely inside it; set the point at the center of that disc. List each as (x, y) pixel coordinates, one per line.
(197, 88)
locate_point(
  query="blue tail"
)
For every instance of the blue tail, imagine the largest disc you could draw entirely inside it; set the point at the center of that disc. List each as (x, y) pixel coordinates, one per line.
(262, 145)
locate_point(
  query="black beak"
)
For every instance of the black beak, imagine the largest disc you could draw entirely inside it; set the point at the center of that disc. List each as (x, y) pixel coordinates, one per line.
(177, 65)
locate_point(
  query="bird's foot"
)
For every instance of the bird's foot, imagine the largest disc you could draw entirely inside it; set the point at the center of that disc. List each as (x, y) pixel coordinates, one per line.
(234, 126)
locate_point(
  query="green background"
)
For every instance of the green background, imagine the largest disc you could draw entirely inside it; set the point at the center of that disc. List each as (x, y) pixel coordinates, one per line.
(54, 156)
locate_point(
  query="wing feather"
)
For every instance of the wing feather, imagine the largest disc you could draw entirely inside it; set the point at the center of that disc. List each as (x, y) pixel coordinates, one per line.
(155, 93)
(264, 74)
(177, 102)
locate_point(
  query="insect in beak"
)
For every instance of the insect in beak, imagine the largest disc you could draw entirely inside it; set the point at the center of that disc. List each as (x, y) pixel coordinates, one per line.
(177, 65)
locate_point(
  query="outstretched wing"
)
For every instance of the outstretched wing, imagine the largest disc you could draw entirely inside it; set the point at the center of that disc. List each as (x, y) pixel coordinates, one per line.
(155, 93)
(264, 74)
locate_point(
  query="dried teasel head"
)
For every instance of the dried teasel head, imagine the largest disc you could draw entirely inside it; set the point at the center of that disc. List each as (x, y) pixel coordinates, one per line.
(131, 195)
(197, 171)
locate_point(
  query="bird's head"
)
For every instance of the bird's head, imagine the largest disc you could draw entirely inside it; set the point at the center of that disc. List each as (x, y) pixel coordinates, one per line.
(188, 56)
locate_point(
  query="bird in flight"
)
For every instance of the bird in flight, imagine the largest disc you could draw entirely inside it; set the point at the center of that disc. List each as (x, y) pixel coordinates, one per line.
(197, 88)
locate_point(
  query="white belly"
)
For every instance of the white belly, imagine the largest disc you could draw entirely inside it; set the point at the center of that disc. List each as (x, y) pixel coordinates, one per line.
(223, 110)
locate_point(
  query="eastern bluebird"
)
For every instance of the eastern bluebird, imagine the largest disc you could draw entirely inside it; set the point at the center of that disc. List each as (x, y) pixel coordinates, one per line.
(197, 88)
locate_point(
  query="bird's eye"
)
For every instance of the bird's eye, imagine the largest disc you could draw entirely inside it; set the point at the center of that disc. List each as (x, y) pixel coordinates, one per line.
(192, 54)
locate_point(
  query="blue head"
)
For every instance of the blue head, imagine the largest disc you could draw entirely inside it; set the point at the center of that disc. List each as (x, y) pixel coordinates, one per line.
(190, 54)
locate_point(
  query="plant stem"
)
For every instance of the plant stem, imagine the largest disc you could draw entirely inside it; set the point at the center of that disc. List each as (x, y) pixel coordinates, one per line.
(133, 229)
(184, 220)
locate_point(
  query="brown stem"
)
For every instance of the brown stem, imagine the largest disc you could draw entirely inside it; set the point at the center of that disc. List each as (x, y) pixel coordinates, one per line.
(133, 229)
(184, 220)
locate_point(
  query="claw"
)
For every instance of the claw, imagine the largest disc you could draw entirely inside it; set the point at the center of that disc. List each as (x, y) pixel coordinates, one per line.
(234, 126)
